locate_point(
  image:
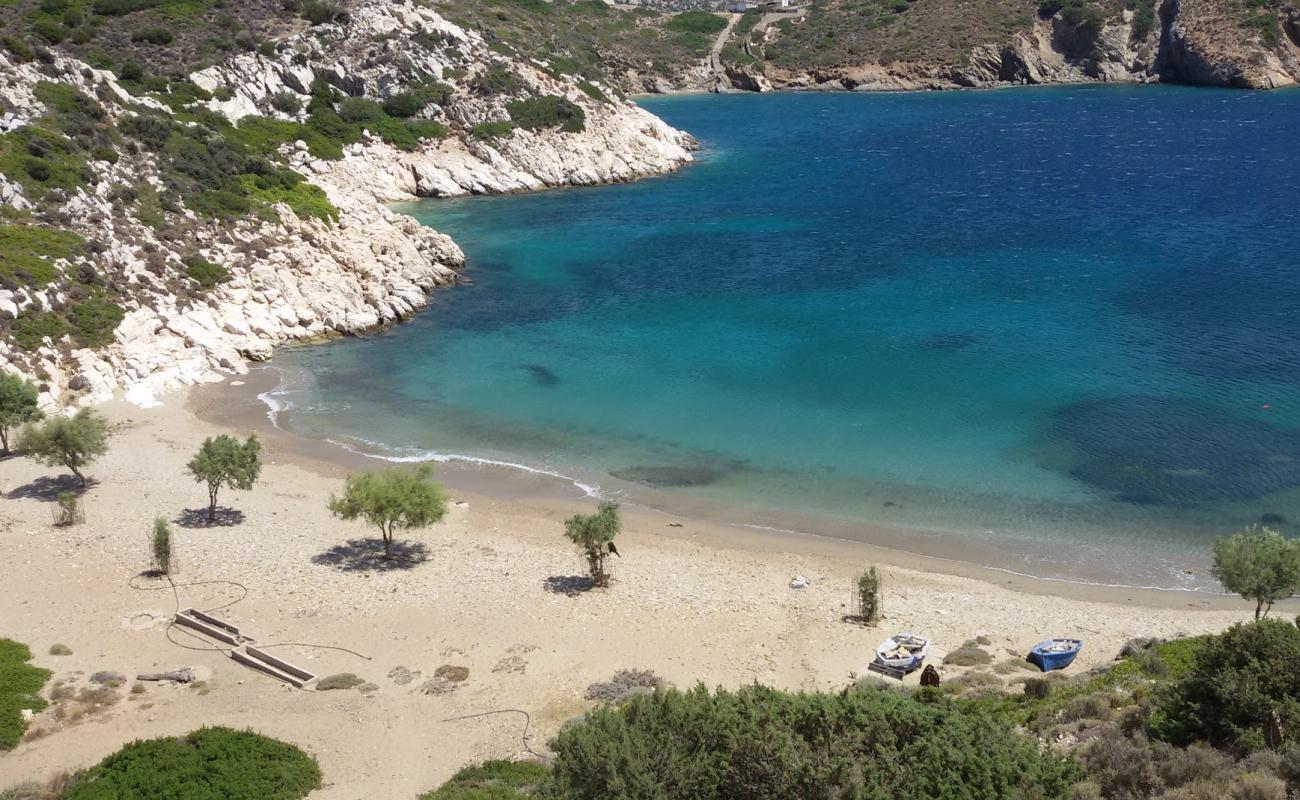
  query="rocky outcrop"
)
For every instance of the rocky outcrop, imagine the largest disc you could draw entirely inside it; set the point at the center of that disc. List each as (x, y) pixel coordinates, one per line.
(295, 278)
(1201, 42)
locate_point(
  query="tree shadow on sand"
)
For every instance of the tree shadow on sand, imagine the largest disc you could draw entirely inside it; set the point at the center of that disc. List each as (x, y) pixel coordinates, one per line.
(569, 585)
(198, 518)
(367, 555)
(49, 488)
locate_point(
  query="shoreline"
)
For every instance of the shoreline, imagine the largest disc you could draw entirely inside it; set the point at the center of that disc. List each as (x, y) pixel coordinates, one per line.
(489, 588)
(238, 405)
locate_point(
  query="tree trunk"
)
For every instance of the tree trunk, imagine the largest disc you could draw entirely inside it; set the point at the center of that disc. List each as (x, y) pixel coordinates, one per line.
(1259, 605)
(388, 541)
(4, 441)
(212, 503)
(77, 472)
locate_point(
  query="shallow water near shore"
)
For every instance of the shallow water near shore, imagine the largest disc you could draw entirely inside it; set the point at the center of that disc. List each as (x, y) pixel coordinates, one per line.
(1053, 330)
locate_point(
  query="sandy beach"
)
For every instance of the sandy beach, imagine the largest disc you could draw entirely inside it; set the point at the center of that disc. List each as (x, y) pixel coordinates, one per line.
(694, 602)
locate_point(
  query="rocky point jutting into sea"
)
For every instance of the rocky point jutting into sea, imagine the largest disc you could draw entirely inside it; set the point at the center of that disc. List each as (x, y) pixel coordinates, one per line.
(291, 276)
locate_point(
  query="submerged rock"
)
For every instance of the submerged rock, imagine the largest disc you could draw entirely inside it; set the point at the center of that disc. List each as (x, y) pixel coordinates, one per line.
(1169, 451)
(669, 477)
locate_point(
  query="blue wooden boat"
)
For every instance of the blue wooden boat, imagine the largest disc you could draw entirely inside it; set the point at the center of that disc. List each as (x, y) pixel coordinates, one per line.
(1055, 653)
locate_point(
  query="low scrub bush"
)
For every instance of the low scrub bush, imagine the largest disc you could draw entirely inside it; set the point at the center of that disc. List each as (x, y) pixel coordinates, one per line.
(547, 111)
(1242, 690)
(492, 130)
(20, 686)
(760, 743)
(208, 763)
(32, 250)
(696, 22)
(492, 780)
(205, 273)
(967, 657)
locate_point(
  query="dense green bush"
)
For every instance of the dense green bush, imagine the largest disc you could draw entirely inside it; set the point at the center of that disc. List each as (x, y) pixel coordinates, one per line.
(208, 764)
(696, 22)
(20, 684)
(31, 250)
(207, 274)
(547, 111)
(1242, 691)
(759, 743)
(489, 131)
(94, 320)
(498, 80)
(153, 36)
(492, 780)
(30, 330)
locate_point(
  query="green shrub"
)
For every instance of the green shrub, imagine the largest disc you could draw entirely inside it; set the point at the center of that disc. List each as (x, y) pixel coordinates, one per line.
(492, 780)
(288, 187)
(359, 109)
(30, 330)
(1242, 690)
(498, 80)
(49, 31)
(759, 743)
(967, 657)
(131, 72)
(153, 36)
(208, 763)
(20, 686)
(94, 320)
(593, 91)
(286, 103)
(32, 250)
(151, 130)
(117, 8)
(20, 50)
(205, 273)
(547, 111)
(696, 22)
(489, 131)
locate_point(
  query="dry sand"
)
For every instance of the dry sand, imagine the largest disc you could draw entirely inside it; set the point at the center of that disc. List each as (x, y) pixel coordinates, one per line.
(693, 603)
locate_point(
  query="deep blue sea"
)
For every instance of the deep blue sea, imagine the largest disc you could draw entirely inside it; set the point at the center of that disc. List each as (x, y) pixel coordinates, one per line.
(1053, 330)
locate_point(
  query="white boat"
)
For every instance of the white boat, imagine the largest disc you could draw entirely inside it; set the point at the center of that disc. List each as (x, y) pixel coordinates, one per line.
(903, 651)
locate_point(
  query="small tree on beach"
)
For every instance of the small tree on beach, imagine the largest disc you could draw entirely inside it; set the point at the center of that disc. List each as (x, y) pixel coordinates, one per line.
(161, 545)
(72, 442)
(871, 606)
(17, 406)
(224, 461)
(392, 499)
(594, 535)
(1259, 564)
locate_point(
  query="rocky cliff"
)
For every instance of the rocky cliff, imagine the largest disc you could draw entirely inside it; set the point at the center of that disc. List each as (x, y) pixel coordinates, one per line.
(185, 238)
(1199, 42)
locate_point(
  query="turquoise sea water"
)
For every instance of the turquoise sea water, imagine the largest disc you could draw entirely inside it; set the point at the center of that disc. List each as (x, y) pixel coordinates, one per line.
(1053, 330)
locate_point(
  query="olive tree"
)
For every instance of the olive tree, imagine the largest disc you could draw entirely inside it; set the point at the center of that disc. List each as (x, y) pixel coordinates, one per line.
(392, 499)
(17, 406)
(73, 442)
(1259, 564)
(225, 461)
(594, 535)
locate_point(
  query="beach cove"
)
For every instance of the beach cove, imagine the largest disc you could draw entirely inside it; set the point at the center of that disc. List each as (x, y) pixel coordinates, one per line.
(866, 318)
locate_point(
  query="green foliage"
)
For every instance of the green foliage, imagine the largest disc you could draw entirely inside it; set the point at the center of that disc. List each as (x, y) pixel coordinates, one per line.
(492, 780)
(68, 510)
(547, 111)
(225, 461)
(208, 764)
(153, 130)
(1243, 690)
(17, 405)
(489, 131)
(28, 252)
(73, 442)
(1259, 564)
(203, 271)
(697, 22)
(593, 91)
(153, 36)
(1144, 18)
(498, 79)
(160, 544)
(288, 187)
(870, 597)
(94, 319)
(392, 499)
(31, 330)
(967, 657)
(20, 686)
(594, 534)
(286, 103)
(1266, 25)
(759, 743)
(42, 159)
(20, 50)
